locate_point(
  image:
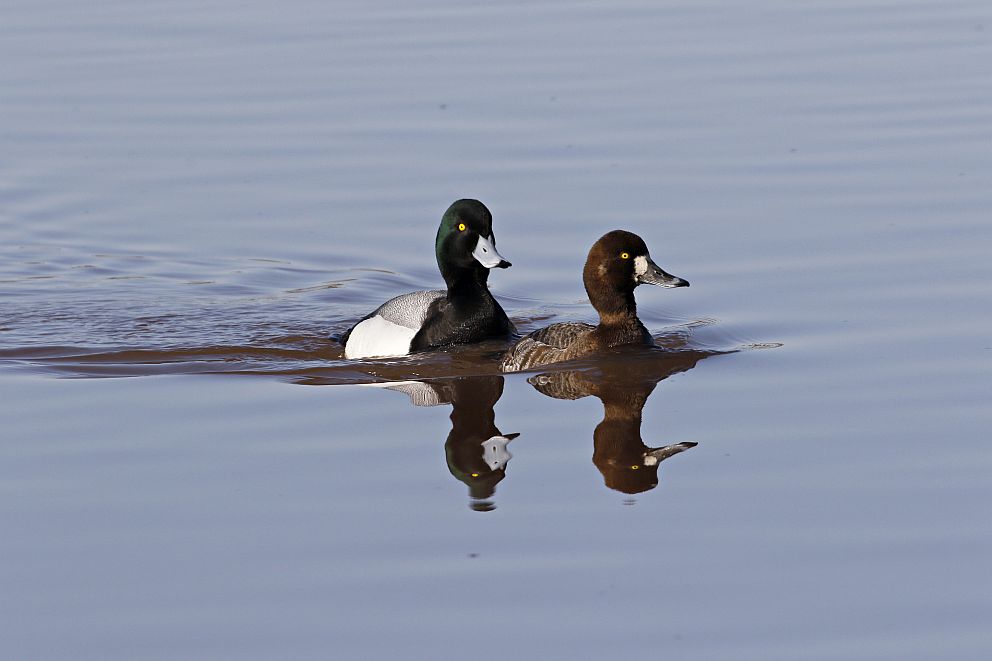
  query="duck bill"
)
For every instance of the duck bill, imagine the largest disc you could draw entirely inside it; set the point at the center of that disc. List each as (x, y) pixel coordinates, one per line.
(495, 453)
(485, 253)
(648, 273)
(657, 455)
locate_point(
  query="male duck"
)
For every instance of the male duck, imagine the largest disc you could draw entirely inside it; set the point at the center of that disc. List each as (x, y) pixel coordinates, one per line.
(617, 263)
(466, 312)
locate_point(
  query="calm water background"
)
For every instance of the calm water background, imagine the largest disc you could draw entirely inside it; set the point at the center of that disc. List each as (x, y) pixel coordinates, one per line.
(193, 187)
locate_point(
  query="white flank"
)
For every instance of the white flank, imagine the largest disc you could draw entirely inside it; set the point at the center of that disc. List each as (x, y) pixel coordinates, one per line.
(377, 338)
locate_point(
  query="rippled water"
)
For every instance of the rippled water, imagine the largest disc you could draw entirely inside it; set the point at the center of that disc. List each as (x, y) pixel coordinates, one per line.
(199, 196)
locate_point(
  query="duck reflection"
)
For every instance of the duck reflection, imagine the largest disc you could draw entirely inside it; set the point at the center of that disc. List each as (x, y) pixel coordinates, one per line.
(623, 384)
(476, 450)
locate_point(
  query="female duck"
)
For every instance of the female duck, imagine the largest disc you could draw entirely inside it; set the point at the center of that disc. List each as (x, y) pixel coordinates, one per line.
(466, 312)
(617, 263)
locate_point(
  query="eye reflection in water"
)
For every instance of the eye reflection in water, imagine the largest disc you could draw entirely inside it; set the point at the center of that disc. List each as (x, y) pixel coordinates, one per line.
(476, 451)
(623, 384)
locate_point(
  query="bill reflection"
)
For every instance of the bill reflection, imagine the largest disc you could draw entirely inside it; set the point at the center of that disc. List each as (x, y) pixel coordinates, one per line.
(476, 451)
(623, 385)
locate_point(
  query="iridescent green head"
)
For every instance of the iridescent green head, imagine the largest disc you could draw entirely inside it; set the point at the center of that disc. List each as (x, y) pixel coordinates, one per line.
(465, 238)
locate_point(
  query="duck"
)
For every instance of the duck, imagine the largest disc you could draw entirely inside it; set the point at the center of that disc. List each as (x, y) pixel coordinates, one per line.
(462, 313)
(476, 450)
(627, 464)
(617, 263)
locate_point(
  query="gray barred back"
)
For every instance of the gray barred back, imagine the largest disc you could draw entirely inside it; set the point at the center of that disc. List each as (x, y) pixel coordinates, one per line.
(409, 310)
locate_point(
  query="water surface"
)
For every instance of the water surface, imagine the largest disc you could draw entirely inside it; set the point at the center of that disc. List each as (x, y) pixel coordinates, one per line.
(194, 198)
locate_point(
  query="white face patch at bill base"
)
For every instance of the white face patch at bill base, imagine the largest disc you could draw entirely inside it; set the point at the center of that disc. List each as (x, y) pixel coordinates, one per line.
(640, 267)
(485, 253)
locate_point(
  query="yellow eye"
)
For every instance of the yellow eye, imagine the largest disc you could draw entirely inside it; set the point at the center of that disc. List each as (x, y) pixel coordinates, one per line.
(461, 227)
(625, 255)
(635, 466)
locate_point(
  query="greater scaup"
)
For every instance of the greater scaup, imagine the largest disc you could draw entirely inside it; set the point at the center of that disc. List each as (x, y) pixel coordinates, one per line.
(617, 263)
(463, 313)
(621, 455)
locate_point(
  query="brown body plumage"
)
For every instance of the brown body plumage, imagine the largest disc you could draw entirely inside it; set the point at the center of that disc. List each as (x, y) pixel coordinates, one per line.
(617, 263)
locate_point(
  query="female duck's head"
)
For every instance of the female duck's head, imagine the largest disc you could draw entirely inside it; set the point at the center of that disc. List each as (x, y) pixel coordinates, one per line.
(617, 263)
(465, 240)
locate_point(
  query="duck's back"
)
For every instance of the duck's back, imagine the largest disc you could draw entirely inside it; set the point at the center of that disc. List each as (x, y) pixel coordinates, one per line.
(551, 344)
(409, 310)
(389, 329)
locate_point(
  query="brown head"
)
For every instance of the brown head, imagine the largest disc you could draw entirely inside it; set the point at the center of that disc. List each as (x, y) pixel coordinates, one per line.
(617, 263)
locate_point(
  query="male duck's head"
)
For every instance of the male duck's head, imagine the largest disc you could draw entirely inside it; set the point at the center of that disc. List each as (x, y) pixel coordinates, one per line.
(620, 261)
(465, 238)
